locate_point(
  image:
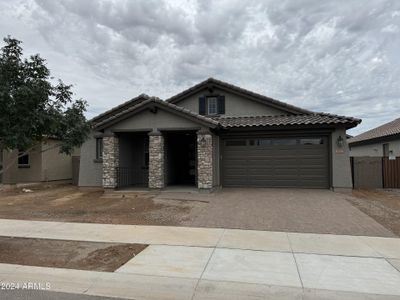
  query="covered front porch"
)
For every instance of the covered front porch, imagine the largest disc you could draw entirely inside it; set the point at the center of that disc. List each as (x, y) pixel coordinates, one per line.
(158, 159)
(157, 144)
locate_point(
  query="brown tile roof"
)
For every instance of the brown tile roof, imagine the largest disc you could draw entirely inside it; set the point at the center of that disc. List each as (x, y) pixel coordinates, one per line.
(219, 83)
(287, 120)
(160, 102)
(385, 130)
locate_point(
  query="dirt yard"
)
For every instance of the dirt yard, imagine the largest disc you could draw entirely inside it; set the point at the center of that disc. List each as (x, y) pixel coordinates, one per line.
(67, 254)
(381, 205)
(70, 204)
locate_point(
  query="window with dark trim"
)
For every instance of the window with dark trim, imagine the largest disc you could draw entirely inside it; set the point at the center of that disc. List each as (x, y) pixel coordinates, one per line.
(212, 105)
(23, 160)
(99, 148)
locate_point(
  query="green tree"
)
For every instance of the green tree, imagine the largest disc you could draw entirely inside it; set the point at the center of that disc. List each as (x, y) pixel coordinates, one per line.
(32, 108)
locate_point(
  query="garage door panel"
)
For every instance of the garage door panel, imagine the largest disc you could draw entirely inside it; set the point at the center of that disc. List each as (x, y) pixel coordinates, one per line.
(295, 165)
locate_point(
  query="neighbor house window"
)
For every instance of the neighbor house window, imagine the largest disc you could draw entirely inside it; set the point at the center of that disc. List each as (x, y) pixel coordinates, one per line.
(212, 104)
(23, 160)
(99, 148)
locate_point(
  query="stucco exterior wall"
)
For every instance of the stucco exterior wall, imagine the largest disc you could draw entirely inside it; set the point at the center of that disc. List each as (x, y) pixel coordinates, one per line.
(90, 172)
(341, 170)
(375, 149)
(216, 160)
(55, 166)
(13, 174)
(147, 120)
(234, 105)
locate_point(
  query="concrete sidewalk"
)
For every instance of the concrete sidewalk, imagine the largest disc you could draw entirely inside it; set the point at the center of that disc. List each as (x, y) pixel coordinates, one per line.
(203, 263)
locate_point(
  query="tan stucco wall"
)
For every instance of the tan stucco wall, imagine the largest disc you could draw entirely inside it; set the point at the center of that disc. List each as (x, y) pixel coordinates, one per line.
(45, 164)
(234, 105)
(12, 174)
(375, 150)
(341, 170)
(147, 120)
(55, 166)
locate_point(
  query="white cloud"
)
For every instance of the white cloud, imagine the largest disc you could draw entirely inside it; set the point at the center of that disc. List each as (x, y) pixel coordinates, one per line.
(339, 57)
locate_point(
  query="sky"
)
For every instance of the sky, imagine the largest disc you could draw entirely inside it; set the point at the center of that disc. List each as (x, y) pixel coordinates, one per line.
(341, 57)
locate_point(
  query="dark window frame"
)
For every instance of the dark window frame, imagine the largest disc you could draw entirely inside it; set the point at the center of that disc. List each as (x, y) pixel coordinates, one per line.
(99, 149)
(24, 160)
(218, 105)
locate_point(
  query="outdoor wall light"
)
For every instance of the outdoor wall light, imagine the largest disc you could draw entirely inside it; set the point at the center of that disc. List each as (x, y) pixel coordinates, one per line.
(340, 141)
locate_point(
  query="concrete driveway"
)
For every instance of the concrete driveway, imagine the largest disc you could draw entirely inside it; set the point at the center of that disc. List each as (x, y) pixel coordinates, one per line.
(289, 210)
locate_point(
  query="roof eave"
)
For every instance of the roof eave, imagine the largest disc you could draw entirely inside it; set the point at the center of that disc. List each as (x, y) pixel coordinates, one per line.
(151, 104)
(315, 126)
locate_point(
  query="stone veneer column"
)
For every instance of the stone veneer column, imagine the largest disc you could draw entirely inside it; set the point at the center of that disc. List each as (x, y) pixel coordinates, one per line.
(110, 161)
(204, 160)
(156, 160)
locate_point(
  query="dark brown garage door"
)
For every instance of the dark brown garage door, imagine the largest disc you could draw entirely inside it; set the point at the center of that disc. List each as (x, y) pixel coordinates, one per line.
(276, 162)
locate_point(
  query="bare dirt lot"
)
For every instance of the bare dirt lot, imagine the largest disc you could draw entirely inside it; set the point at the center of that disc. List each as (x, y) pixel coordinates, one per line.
(68, 203)
(381, 205)
(67, 254)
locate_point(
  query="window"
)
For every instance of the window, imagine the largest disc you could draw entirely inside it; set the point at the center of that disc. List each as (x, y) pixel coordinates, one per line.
(146, 152)
(23, 160)
(263, 142)
(99, 148)
(212, 105)
(284, 142)
(311, 141)
(236, 143)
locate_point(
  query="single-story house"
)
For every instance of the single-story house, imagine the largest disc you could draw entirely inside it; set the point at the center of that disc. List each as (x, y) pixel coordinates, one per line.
(215, 134)
(43, 163)
(376, 157)
(382, 141)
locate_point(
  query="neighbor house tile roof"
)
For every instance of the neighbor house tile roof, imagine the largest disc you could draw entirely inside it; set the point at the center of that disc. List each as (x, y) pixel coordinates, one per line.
(287, 120)
(385, 130)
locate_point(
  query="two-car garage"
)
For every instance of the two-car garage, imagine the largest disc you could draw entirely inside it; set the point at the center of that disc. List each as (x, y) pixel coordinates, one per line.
(297, 161)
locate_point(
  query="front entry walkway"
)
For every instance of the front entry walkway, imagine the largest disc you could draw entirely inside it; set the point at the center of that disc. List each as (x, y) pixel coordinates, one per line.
(209, 263)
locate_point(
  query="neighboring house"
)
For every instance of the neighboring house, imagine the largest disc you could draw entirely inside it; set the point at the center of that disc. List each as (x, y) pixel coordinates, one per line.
(376, 157)
(43, 163)
(382, 141)
(216, 134)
